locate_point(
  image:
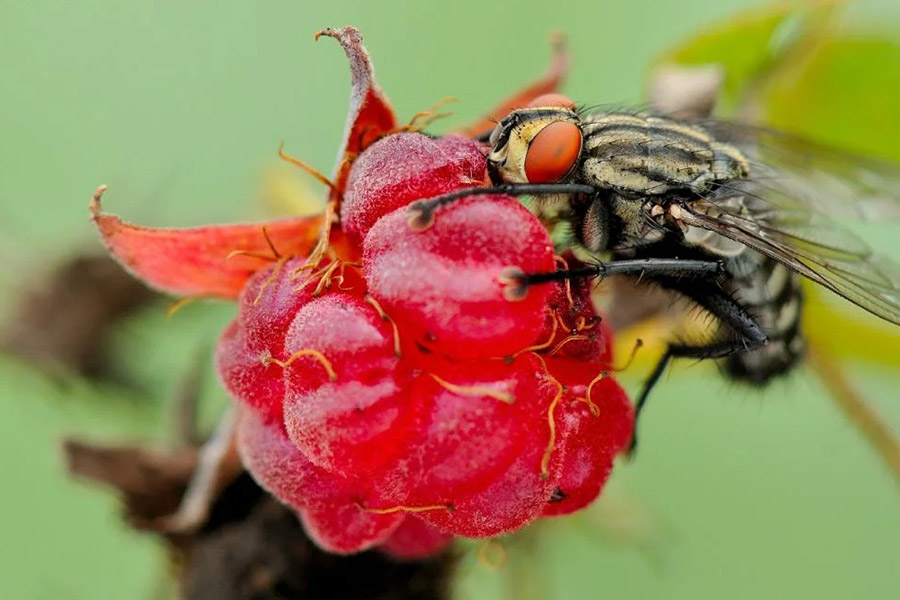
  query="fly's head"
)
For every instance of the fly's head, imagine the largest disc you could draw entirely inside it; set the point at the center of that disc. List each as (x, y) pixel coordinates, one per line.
(538, 144)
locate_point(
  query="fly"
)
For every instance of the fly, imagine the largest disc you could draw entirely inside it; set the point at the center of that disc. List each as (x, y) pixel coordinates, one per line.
(729, 216)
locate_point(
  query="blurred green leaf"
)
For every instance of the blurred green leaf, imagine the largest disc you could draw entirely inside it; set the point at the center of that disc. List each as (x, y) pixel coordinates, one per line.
(849, 334)
(750, 44)
(845, 93)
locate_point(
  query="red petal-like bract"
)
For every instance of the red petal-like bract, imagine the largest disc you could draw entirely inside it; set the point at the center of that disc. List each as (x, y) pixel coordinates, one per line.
(203, 261)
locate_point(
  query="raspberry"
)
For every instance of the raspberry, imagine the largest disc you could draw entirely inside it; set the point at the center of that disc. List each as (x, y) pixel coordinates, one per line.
(572, 326)
(379, 183)
(592, 435)
(511, 501)
(482, 416)
(247, 352)
(266, 306)
(415, 539)
(283, 470)
(448, 286)
(347, 529)
(351, 414)
(421, 394)
(328, 505)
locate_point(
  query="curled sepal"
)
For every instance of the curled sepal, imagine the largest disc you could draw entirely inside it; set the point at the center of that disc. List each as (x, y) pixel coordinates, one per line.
(550, 82)
(369, 115)
(211, 261)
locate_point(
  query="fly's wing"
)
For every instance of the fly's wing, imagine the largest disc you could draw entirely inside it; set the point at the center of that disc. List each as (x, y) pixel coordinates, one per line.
(793, 232)
(817, 177)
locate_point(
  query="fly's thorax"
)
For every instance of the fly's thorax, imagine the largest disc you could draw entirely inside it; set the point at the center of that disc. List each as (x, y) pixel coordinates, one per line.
(652, 156)
(513, 138)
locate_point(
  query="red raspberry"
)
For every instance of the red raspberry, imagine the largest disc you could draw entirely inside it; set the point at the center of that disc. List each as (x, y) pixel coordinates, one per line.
(483, 416)
(247, 352)
(591, 434)
(283, 470)
(512, 500)
(379, 183)
(346, 529)
(419, 396)
(243, 356)
(329, 505)
(576, 329)
(448, 286)
(352, 413)
(415, 539)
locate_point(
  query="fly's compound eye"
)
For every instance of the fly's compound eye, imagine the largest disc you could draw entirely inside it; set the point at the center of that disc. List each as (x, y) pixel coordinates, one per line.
(553, 152)
(552, 100)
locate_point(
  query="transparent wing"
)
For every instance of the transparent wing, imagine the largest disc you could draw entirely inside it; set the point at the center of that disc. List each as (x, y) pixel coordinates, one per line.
(803, 239)
(821, 178)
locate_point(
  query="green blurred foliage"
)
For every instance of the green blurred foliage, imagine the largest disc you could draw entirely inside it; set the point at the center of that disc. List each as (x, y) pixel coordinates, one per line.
(845, 92)
(178, 106)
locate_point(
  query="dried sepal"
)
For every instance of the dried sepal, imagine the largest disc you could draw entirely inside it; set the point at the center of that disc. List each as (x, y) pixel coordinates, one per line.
(370, 114)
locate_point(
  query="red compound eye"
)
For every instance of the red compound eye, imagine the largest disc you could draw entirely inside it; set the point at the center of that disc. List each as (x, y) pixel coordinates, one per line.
(553, 152)
(552, 100)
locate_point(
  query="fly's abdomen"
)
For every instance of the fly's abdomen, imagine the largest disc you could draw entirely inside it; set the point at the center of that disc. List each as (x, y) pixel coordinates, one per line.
(772, 294)
(651, 156)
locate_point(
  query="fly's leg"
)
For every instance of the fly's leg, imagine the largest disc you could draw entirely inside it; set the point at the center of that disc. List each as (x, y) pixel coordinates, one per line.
(676, 269)
(421, 212)
(742, 334)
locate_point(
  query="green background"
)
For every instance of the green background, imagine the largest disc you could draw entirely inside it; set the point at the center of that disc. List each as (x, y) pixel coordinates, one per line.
(179, 105)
